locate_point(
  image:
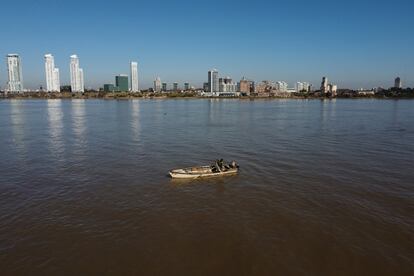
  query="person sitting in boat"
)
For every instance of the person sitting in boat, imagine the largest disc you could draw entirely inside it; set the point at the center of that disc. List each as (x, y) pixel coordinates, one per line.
(234, 164)
(216, 166)
(221, 164)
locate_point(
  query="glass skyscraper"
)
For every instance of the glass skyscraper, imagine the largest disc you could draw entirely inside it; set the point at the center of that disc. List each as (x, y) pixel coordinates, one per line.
(121, 83)
(213, 81)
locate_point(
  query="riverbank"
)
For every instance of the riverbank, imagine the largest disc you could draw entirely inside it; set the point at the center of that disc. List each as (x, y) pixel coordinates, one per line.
(409, 93)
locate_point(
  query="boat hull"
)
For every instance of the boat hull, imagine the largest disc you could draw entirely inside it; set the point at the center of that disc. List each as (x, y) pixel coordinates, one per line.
(200, 172)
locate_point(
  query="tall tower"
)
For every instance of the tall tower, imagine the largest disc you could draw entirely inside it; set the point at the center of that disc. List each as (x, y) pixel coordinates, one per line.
(76, 75)
(56, 79)
(157, 85)
(213, 81)
(325, 85)
(134, 77)
(398, 83)
(52, 74)
(15, 76)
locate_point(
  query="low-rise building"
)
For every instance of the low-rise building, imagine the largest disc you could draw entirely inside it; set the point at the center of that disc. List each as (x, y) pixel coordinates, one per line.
(109, 88)
(245, 86)
(122, 83)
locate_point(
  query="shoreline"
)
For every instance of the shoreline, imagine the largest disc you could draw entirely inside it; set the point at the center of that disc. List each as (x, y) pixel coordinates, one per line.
(206, 98)
(188, 95)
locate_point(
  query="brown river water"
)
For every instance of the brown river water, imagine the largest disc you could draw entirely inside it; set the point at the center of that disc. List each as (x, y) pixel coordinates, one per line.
(325, 187)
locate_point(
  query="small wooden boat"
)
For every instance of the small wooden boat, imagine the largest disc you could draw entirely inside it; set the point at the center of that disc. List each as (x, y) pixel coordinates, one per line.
(203, 171)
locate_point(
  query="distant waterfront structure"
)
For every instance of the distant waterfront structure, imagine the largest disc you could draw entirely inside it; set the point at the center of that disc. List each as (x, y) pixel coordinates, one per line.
(245, 86)
(134, 77)
(175, 86)
(157, 84)
(265, 86)
(282, 86)
(121, 82)
(324, 85)
(109, 88)
(302, 87)
(333, 88)
(398, 83)
(52, 74)
(213, 81)
(226, 85)
(15, 75)
(76, 75)
(328, 88)
(186, 86)
(164, 86)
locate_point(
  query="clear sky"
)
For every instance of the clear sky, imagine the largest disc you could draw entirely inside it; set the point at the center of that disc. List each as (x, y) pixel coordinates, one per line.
(356, 44)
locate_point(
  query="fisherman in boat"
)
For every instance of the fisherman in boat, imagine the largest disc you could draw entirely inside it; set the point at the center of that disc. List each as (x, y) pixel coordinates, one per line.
(215, 168)
(219, 166)
(223, 166)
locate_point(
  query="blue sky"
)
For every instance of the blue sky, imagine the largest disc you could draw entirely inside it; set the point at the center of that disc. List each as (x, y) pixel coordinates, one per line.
(355, 43)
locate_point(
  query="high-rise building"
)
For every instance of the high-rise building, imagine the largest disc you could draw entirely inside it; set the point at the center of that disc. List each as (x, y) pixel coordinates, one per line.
(121, 82)
(52, 74)
(81, 81)
(334, 90)
(213, 81)
(164, 86)
(15, 76)
(76, 75)
(398, 83)
(56, 79)
(175, 86)
(157, 85)
(324, 85)
(328, 88)
(186, 86)
(134, 77)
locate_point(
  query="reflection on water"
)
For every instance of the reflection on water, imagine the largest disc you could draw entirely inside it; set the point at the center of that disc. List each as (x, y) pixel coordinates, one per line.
(327, 112)
(135, 119)
(55, 119)
(79, 120)
(18, 125)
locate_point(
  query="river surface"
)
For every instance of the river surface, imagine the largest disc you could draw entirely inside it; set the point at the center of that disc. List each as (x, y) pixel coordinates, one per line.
(325, 187)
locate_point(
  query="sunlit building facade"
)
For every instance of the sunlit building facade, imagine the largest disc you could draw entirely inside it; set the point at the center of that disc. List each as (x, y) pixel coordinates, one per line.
(157, 85)
(52, 74)
(15, 76)
(134, 77)
(76, 75)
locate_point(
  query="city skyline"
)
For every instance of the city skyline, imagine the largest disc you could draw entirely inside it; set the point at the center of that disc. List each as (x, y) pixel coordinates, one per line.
(351, 45)
(213, 84)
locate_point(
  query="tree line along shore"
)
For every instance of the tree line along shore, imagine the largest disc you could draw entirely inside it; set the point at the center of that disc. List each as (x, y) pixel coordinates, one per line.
(389, 93)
